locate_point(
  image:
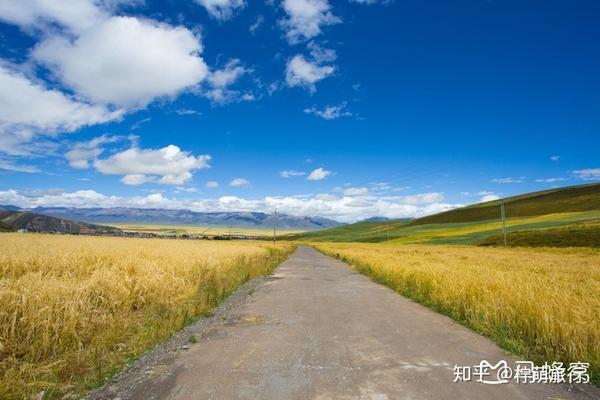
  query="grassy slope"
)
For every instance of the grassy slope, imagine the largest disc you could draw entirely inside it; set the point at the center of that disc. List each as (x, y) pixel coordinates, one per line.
(359, 232)
(568, 199)
(582, 234)
(470, 225)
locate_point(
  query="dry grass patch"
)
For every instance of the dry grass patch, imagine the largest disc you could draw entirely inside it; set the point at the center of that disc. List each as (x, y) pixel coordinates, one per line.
(542, 304)
(74, 309)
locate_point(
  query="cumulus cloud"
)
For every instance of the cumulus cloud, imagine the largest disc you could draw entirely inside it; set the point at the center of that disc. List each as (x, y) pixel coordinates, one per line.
(303, 73)
(321, 54)
(588, 174)
(291, 173)
(239, 182)
(126, 61)
(77, 16)
(424, 198)
(222, 9)
(346, 208)
(520, 179)
(305, 19)
(169, 165)
(329, 112)
(220, 80)
(83, 152)
(212, 185)
(356, 192)
(28, 110)
(318, 174)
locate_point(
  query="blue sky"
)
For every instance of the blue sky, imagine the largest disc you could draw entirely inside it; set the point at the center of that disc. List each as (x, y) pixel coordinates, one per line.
(344, 109)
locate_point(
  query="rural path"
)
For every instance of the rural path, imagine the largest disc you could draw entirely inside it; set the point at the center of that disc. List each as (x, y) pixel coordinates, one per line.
(316, 329)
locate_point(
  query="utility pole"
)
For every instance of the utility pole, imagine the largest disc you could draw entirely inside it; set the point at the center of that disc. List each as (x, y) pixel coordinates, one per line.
(503, 217)
(275, 227)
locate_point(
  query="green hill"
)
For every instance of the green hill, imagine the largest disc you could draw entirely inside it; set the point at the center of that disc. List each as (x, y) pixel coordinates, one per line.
(533, 212)
(561, 200)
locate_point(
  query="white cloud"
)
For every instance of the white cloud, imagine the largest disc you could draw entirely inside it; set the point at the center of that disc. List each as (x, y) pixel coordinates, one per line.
(550, 180)
(329, 112)
(356, 192)
(305, 18)
(424, 198)
(369, 2)
(137, 179)
(187, 189)
(28, 110)
(303, 73)
(555, 158)
(83, 152)
(126, 61)
(212, 185)
(222, 9)
(187, 111)
(291, 173)
(318, 174)
(345, 208)
(169, 165)
(321, 54)
(489, 197)
(520, 179)
(220, 80)
(588, 174)
(326, 197)
(75, 16)
(239, 182)
(9, 165)
(256, 25)
(226, 76)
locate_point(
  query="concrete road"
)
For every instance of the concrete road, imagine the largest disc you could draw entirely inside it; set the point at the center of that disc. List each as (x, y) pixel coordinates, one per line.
(317, 330)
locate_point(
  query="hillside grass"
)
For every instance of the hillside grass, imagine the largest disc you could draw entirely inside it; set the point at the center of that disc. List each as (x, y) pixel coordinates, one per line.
(75, 309)
(359, 232)
(561, 200)
(541, 304)
(577, 235)
(447, 233)
(472, 224)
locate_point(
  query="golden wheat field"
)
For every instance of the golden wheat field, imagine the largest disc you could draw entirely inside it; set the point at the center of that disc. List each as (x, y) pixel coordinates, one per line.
(541, 304)
(74, 309)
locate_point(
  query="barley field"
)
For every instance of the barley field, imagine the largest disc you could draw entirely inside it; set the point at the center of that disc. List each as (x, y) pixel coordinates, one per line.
(75, 309)
(541, 304)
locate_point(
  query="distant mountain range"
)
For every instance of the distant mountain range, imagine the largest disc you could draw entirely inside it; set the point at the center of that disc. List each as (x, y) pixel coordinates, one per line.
(14, 219)
(248, 220)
